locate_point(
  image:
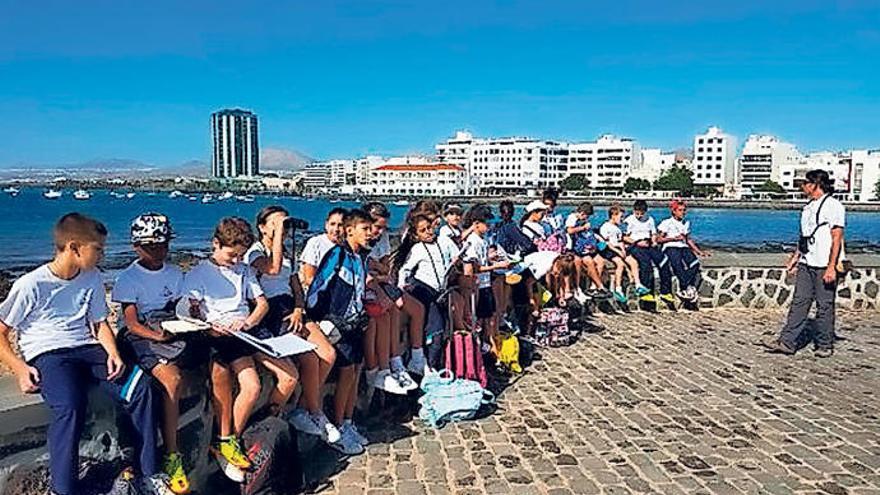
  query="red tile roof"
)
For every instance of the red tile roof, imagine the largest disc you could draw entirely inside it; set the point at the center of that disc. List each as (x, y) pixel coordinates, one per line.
(426, 167)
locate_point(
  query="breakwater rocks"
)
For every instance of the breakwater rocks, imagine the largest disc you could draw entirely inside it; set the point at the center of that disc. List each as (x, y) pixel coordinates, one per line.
(773, 288)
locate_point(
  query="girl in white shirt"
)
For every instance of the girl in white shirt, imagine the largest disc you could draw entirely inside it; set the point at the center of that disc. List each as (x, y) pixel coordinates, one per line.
(283, 291)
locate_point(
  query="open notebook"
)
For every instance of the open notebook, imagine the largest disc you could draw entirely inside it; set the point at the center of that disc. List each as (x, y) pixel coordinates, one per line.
(286, 345)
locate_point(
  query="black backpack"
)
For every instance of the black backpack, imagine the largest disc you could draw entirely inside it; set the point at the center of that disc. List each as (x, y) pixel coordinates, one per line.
(270, 443)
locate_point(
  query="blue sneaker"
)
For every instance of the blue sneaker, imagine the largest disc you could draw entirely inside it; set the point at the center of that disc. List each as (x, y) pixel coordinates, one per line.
(641, 290)
(619, 296)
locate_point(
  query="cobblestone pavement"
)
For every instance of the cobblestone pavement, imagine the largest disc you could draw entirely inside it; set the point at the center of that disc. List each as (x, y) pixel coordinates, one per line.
(668, 403)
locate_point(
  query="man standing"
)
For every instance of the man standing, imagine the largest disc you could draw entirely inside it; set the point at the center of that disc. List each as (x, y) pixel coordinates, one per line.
(815, 262)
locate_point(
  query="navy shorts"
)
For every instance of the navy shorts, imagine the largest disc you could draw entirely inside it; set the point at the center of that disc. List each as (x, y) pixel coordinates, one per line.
(280, 307)
(608, 254)
(350, 349)
(485, 303)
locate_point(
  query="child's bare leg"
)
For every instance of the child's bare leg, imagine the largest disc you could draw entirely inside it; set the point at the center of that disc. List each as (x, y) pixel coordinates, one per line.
(619, 267)
(416, 312)
(371, 358)
(286, 375)
(325, 351)
(352, 396)
(394, 332)
(383, 340)
(221, 396)
(168, 375)
(592, 270)
(344, 386)
(633, 265)
(245, 372)
(310, 378)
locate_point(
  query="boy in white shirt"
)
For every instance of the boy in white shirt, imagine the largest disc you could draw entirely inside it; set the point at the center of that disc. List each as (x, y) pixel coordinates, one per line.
(476, 258)
(641, 235)
(220, 291)
(582, 242)
(148, 291)
(674, 234)
(59, 312)
(615, 251)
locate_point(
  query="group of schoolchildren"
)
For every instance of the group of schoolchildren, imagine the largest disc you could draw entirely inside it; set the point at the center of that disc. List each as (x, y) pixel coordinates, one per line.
(348, 294)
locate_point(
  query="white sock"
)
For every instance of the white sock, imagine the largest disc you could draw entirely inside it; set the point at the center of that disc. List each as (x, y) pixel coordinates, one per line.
(418, 354)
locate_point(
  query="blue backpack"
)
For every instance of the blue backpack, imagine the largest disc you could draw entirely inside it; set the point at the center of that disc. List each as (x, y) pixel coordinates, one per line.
(448, 400)
(332, 289)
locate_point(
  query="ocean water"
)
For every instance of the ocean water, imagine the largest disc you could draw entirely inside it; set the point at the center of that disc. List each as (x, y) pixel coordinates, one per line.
(26, 223)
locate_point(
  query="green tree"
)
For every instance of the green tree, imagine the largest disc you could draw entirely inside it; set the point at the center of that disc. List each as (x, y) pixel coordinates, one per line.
(771, 187)
(633, 184)
(676, 179)
(575, 182)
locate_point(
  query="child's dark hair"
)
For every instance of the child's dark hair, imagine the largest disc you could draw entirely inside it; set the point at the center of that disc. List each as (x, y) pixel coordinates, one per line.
(586, 207)
(614, 209)
(640, 205)
(77, 227)
(506, 210)
(356, 216)
(409, 240)
(337, 211)
(550, 195)
(480, 212)
(234, 232)
(821, 179)
(376, 210)
(264, 214)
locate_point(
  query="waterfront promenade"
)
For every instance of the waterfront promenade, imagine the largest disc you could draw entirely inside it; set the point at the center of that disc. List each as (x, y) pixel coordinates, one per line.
(669, 403)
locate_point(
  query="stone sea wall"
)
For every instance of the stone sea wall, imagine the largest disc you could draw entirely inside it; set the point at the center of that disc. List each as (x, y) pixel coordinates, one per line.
(773, 288)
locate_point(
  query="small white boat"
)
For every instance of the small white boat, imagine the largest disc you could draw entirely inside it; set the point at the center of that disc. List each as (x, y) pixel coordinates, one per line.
(82, 194)
(175, 194)
(401, 202)
(52, 194)
(226, 195)
(247, 198)
(12, 191)
(129, 195)
(207, 198)
(192, 198)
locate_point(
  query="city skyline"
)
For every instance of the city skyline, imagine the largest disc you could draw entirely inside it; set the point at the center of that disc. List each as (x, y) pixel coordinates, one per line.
(339, 80)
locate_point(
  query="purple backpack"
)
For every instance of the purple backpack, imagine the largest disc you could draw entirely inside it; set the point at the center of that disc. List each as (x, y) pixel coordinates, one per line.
(552, 328)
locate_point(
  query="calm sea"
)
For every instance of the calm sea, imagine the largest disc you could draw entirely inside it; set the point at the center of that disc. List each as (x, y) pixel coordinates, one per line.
(26, 222)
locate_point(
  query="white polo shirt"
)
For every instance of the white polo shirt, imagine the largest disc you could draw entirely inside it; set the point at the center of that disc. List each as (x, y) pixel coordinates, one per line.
(832, 215)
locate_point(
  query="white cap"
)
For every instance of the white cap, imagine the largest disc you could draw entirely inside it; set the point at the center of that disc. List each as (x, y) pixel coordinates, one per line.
(536, 205)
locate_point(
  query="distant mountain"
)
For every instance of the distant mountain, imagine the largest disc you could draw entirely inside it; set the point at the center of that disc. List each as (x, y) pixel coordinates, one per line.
(191, 168)
(278, 159)
(97, 164)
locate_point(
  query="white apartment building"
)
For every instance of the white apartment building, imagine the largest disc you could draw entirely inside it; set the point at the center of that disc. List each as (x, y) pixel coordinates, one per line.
(606, 162)
(316, 177)
(792, 174)
(654, 162)
(864, 174)
(418, 179)
(714, 162)
(364, 166)
(762, 159)
(506, 165)
(342, 172)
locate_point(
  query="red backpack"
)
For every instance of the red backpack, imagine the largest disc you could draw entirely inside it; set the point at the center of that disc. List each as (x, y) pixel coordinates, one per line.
(464, 358)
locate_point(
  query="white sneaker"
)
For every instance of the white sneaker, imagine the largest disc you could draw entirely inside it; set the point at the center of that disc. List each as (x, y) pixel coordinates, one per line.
(156, 484)
(302, 421)
(350, 430)
(384, 380)
(329, 432)
(406, 381)
(348, 445)
(692, 293)
(580, 296)
(418, 365)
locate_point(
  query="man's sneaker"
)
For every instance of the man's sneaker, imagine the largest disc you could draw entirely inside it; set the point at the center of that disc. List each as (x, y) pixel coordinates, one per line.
(302, 422)
(177, 480)
(823, 352)
(641, 290)
(233, 462)
(668, 298)
(156, 484)
(348, 445)
(775, 346)
(406, 381)
(417, 365)
(350, 430)
(620, 297)
(384, 380)
(329, 432)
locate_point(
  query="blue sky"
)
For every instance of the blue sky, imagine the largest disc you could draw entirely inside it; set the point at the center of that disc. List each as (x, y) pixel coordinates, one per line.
(80, 80)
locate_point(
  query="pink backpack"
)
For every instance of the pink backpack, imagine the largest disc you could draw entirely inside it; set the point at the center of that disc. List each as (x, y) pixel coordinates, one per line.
(464, 359)
(554, 242)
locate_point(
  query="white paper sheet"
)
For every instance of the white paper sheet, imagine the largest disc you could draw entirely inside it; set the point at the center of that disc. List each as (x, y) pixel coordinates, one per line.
(288, 344)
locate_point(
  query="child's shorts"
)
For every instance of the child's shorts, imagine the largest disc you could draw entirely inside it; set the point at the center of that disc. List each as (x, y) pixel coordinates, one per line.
(608, 254)
(227, 350)
(485, 303)
(150, 353)
(350, 349)
(280, 307)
